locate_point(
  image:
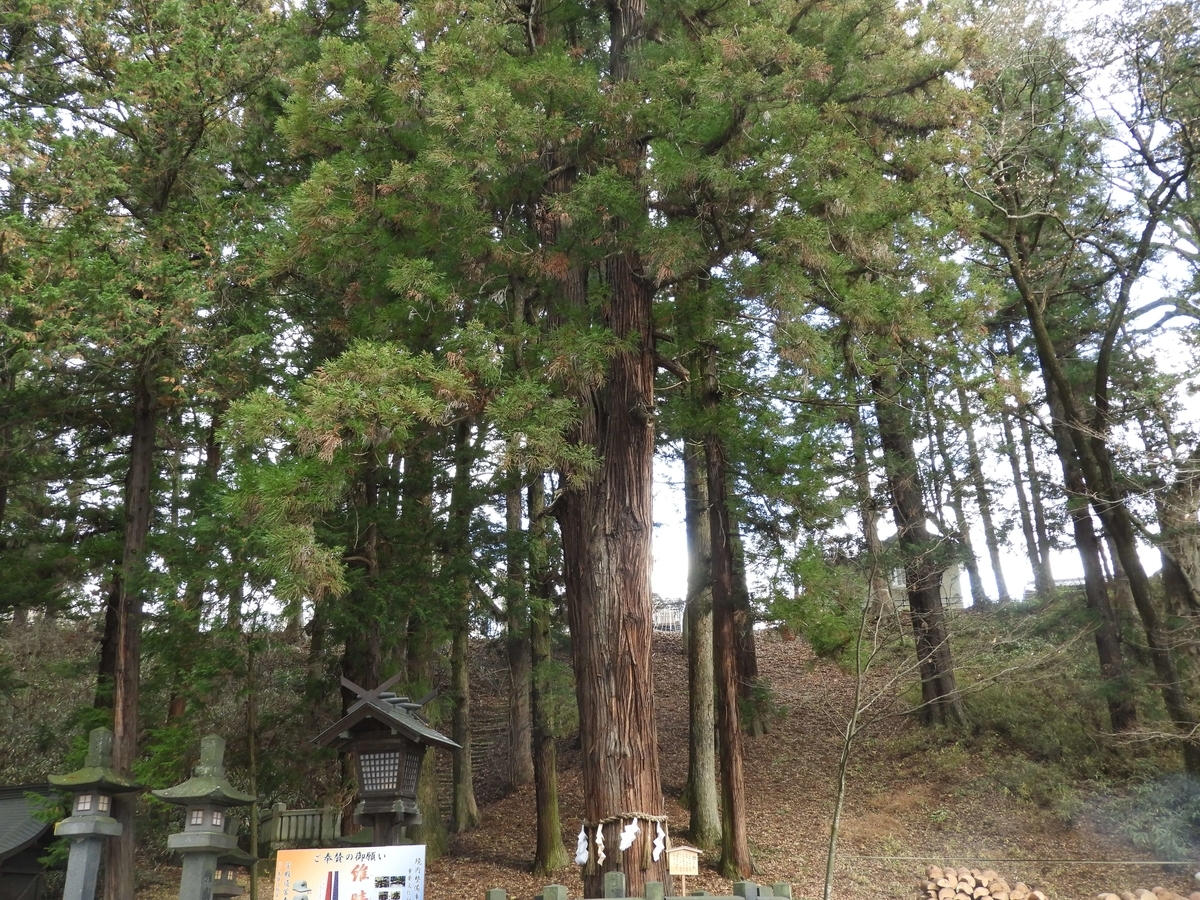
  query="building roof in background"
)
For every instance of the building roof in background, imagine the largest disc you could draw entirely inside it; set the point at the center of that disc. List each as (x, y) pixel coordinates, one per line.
(19, 825)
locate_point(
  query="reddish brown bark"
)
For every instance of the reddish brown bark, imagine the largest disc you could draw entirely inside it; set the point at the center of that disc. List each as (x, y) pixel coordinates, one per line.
(550, 854)
(606, 530)
(127, 636)
(735, 846)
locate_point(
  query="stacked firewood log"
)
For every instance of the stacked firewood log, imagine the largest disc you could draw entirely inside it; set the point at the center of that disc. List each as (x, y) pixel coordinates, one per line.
(973, 884)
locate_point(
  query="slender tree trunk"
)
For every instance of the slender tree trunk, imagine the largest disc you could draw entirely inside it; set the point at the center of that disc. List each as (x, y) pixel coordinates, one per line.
(550, 854)
(868, 511)
(941, 702)
(705, 817)
(1043, 573)
(431, 831)
(191, 609)
(464, 810)
(106, 665)
(1106, 498)
(237, 596)
(1032, 550)
(119, 876)
(362, 655)
(735, 846)
(9, 381)
(983, 496)
(517, 638)
(979, 596)
(1179, 544)
(1122, 710)
(757, 723)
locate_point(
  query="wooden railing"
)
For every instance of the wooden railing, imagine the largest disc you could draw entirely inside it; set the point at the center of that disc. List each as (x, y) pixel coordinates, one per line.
(280, 827)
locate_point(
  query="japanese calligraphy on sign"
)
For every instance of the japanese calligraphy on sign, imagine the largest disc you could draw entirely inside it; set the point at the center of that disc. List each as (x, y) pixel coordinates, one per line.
(361, 873)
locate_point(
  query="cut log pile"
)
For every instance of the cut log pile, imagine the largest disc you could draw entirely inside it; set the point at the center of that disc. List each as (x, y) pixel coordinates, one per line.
(1158, 893)
(973, 884)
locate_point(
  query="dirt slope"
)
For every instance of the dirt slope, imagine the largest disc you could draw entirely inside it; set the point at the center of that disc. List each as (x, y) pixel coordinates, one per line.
(900, 803)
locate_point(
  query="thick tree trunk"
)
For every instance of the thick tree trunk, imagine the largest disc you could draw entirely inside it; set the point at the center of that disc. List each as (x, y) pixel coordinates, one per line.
(6, 433)
(520, 725)
(550, 855)
(701, 799)
(983, 496)
(606, 525)
(126, 645)
(606, 529)
(424, 638)
(940, 701)
(1122, 710)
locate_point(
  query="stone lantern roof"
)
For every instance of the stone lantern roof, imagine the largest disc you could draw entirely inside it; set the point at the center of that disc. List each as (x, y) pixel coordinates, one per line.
(208, 784)
(97, 773)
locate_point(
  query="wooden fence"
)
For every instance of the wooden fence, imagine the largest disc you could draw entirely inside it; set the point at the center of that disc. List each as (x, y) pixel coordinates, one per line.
(280, 827)
(614, 887)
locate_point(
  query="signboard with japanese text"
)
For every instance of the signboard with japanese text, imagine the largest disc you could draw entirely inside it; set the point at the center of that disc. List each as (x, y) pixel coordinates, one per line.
(683, 861)
(361, 873)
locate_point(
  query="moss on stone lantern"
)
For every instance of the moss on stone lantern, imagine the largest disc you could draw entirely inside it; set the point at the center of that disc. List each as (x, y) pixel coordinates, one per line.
(205, 797)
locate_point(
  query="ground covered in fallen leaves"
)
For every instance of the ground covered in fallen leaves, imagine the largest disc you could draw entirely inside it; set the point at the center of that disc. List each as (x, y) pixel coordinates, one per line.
(912, 800)
(906, 806)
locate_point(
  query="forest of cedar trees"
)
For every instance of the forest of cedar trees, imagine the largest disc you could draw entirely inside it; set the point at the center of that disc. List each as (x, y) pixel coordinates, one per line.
(373, 330)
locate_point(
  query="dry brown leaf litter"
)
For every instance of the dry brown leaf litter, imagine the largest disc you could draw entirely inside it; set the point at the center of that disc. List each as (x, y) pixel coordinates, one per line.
(896, 806)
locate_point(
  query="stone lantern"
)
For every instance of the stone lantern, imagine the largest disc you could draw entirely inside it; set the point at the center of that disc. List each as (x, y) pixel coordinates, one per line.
(91, 822)
(225, 879)
(205, 798)
(389, 743)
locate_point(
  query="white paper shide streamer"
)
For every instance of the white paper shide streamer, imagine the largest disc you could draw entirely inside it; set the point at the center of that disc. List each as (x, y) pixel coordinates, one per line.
(600, 855)
(628, 833)
(581, 847)
(660, 842)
